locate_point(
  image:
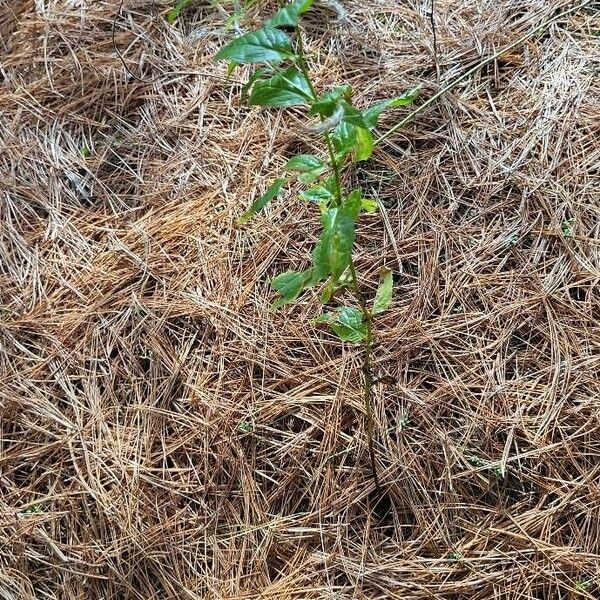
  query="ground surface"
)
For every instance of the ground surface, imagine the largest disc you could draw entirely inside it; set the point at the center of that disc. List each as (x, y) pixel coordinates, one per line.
(163, 435)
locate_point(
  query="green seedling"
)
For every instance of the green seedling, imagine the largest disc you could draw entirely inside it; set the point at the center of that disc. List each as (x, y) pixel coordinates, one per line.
(245, 426)
(34, 509)
(476, 461)
(583, 584)
(282, 79)
(404, 422)
(567, 228)
(511, 240)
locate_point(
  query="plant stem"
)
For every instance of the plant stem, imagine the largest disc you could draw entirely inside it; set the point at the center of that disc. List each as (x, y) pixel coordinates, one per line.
(336, 169)
(367, 374)
(366, 313)
(330, 149)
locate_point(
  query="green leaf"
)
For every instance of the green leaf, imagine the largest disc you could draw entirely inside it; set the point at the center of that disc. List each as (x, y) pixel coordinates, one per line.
(289, 15)
(369, 206)
(288, 88)
(353, 203)
(176, 11)
(372, 114)
(353, 115)
(245, 426)
(331, 287)
(347, 323)
(383, 297)
(308, 165)
(353, 134)
(364, 144)
(319, 195)
(272, 192)
(333, 252)
(327, 292)
(231, 67)
(304, 163)
(289, 285)
(335, 102)
(258, 74)
(329, 102)
(347, 137)
(344, 139)
(263, 45)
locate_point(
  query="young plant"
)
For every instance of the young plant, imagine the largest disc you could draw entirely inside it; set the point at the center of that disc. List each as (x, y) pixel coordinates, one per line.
(282, 79)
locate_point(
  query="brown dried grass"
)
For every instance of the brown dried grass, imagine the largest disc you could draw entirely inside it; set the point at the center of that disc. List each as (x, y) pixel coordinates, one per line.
(137, 346)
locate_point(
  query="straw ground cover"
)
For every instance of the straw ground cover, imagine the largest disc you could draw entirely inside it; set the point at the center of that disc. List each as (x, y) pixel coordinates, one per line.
(164, 435)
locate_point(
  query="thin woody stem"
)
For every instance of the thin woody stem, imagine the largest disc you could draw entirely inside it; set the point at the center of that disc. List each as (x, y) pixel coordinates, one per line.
(366, 313)
(367, 374)
(301, 62)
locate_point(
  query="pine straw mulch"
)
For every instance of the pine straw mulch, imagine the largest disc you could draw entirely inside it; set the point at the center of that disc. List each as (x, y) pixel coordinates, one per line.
(164, 435)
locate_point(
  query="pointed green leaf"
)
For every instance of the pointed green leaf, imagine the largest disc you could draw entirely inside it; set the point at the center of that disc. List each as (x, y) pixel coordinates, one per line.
(272, 192)
(344, 139)
(231, 67)
(288, 16)
(350, 326)
(327, 292)
(304, 163)
(321, 253)
(372, 114)
(289, 285)
(288, 88)
(364, 145)
(347, 323)
(347, 138)
(331, 287)
(333, 252)
(326, 318)
(383, 297)
(263, 45)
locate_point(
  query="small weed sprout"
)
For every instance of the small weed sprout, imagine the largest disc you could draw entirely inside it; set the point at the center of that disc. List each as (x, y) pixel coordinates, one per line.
(456, 555)
(34, 509)
(283, 80)
(583, 584)
(511, 240)
(476, 461)
(404, 422)
(245, 426)
(567, 228)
